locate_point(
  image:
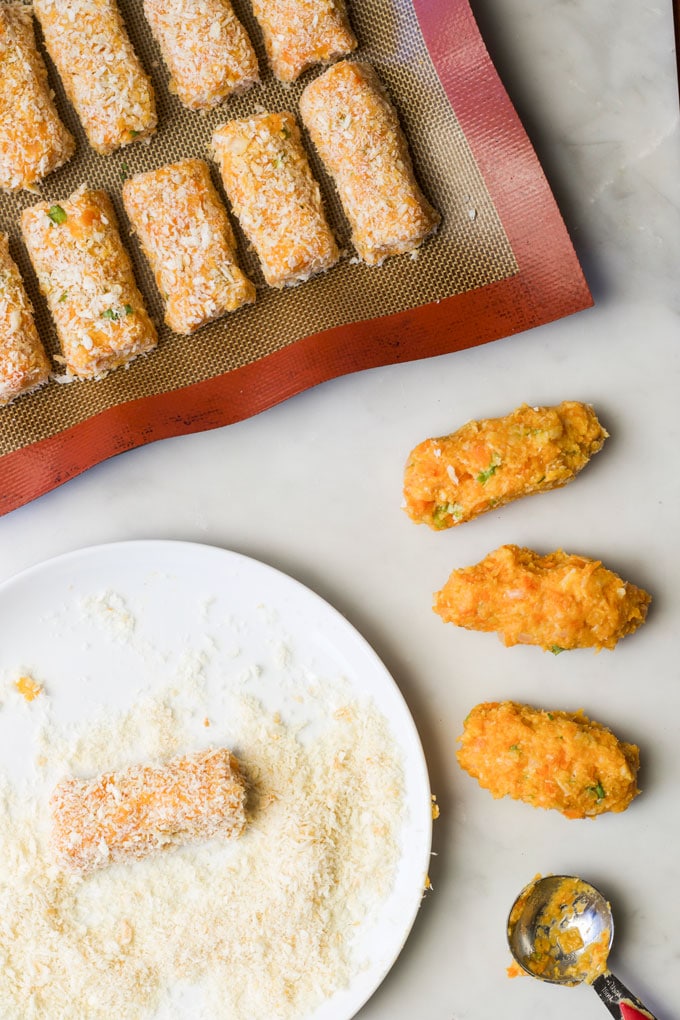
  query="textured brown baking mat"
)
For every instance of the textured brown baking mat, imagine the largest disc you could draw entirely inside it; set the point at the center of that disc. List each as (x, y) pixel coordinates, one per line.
(471, 251)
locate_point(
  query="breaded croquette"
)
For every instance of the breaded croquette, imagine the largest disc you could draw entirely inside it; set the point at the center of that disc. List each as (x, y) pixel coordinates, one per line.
(356, 132)
(101, 73)
(558, 760)
(24, 365)
(86, 276)
(126, 815)
(556, 601)
(298, 34)
(273, 193)
(33, 141)
(487, 463)
(186, 235)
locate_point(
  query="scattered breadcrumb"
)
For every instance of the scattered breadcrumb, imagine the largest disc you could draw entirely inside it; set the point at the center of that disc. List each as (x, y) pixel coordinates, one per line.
(110, 612)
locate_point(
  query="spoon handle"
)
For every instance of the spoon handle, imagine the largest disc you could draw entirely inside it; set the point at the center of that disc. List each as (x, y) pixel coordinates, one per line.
(621, 1003)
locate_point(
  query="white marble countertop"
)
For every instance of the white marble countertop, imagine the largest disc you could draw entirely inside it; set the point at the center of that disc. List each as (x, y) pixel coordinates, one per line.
(313, 487)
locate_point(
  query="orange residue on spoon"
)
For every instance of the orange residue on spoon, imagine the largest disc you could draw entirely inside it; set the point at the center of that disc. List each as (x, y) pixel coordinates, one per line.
(557, 935)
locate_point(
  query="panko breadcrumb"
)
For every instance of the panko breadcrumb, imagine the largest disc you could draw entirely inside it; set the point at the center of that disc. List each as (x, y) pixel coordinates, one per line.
(356, 131)
(558, 601)
(556, 760)
(488, 463)
(33, 141)
(126, 815)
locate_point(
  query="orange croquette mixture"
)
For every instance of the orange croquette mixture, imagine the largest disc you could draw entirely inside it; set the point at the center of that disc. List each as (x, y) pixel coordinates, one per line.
(558, 601)
(487, 463)
(558, 760)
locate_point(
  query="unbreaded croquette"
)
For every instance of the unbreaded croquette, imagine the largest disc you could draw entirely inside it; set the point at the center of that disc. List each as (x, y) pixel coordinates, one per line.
(558, 760)
(487, 463)
(558, 601)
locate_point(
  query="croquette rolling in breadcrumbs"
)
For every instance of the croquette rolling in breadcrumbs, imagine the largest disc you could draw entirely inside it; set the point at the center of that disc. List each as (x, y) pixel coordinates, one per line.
(126, 815)
(558, 601)
(562, 761)
(485, 464)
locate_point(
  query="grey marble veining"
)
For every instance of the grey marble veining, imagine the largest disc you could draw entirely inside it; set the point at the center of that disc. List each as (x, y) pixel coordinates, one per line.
(313, 487)
(595, 84)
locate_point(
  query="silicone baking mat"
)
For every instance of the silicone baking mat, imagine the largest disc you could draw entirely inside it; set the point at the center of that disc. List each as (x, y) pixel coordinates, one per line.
(500, 263)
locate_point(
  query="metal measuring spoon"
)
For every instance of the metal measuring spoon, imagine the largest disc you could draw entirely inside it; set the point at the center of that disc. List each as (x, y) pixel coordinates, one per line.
(560, 929)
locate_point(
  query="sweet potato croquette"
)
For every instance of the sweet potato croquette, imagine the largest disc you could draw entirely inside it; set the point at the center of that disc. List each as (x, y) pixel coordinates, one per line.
(486, 464)
(558, 760)
(144, 809)
(556, 601)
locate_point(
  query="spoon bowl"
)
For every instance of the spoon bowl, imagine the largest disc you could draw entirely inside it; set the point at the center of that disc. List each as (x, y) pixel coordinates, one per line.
(560, 929)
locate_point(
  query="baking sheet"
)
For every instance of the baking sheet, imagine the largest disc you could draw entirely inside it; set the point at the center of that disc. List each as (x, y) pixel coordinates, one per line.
(352, 317)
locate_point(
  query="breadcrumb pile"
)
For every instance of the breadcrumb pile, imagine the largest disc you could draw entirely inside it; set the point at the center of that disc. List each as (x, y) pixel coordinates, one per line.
(261, 926)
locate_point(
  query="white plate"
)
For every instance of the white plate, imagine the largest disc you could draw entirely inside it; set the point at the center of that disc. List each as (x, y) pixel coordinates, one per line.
(173, 588)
